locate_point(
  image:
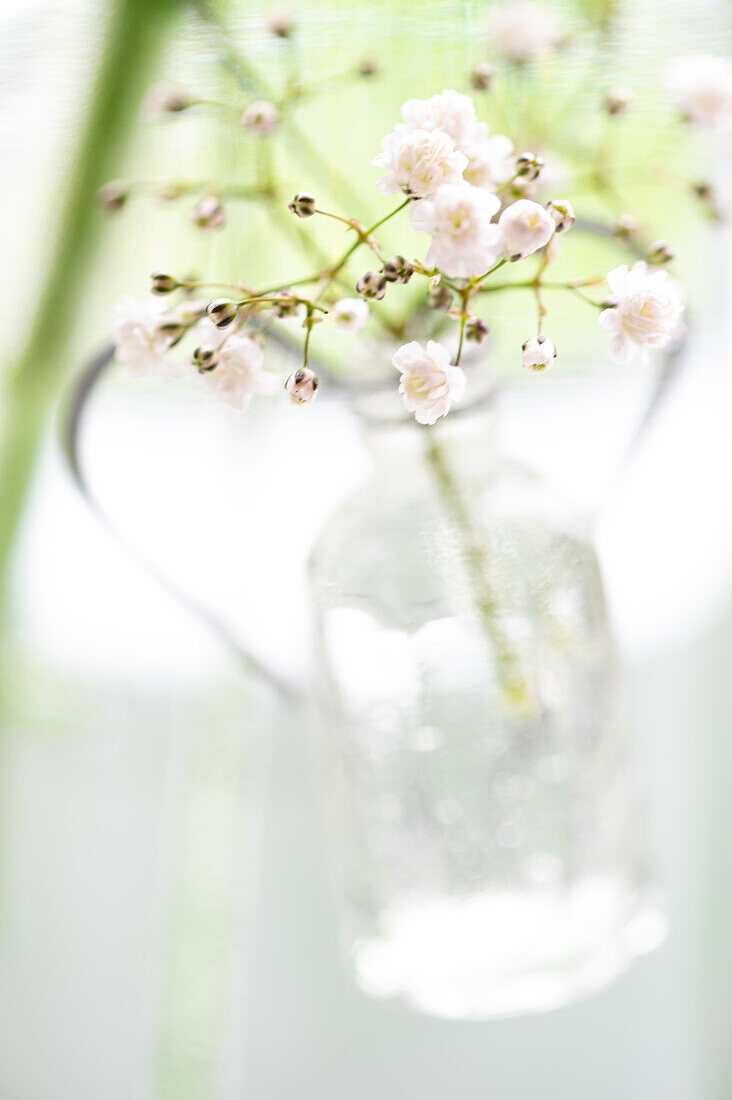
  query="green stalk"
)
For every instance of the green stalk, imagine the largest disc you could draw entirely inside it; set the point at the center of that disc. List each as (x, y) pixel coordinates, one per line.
(135, 34)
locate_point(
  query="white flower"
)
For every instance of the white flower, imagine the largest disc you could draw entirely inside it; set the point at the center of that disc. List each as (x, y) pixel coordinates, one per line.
(418, 162)
(646, 312)
(429, 383)
(351, 314)
(260, 117)
(451, 112)
(522, 29)
(209, 334)
(238, 375)
(491, 162)
(526, 227)
(538, 353)
(140, 343)
(701, 87)
(464, 240)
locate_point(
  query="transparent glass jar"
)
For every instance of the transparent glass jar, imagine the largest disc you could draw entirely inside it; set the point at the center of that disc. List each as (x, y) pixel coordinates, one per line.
(467, 688)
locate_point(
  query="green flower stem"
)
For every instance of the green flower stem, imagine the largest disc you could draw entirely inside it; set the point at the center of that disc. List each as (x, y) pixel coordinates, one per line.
(135, 34)
(517, 691)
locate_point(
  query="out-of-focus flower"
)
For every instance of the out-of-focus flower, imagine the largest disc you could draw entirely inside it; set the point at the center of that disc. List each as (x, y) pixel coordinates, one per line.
(208, 213)
(238, 375)
(526, 227)
(351, 314)
(701, 87)
(491, 162)
(521, 30)
(429, 383)
(281, 22)
(646, 311)
(562, 212)
(418, 162)
(166, 99)
(141, 344)
(538, 353)
(464, 240)
(618, 99)
(261, 117)
(302, 386)
(372, 285)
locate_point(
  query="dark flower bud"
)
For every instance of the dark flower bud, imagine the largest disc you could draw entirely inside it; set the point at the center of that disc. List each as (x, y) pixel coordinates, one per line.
(397, 270)
(372, 285)
(482, 77)
(476, 330)
(208, 214)
(113, 196)
(222, 311)
(162, 283)
(367, 67)
(205, 358)
(303, 205)
(439, 297)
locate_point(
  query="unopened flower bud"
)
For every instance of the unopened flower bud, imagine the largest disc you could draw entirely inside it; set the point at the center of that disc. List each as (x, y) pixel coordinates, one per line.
(166, 99)
(538, 353)
(208, 214)
(280, 21)
(482, 77)
(222, 311)
(397, 270)
(173, 330)
(626, 227)
(367, 67)
(563, 213)
(661, 252)
(618, 99)
(528, 166)
(439, 297)
(303, 205)
(261, 117)
(160, 283)
(372, 285)
(113, 196)
(476, 330)
(302, 386)
(205, 358)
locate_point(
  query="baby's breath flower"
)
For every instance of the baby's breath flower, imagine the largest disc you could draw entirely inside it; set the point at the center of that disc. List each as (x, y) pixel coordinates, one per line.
(280, 21)
(538, 353)
(113, 196)
(528, 166)
(450, 112)
(482, 77)
(618, 99)
(701, 88)
(645, 313)
(286, 305)
(562, 212)
(397, 270)
(303, 205)
(140, 340)
(205, 358)
(160, 283)
(491, 162)
(372, 285)
(526, 227)
(439, 296)
(222, 311)
(208, 213)
(476, 330)
(367, 67)
(238, 375)
(166, 99)
(429, 383)
(464, 240)
(418, 162)
(302, 386)
(351, 314)
(661, 252)
(521, 30)
(261, 117)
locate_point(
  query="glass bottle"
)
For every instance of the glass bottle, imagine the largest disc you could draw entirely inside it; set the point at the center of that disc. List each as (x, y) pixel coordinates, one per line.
(490, 861)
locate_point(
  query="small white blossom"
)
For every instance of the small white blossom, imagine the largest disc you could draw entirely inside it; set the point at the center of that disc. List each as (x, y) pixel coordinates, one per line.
(238, 375)
(260, 117)
(451, 112)
(418, 162)
(429, 383)
(351, 314)
(538, 354)
(464, 240)
(491, 162)
(526, 227)
(520, 30)
(140, 343)
(646, 311)
(701, 87)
